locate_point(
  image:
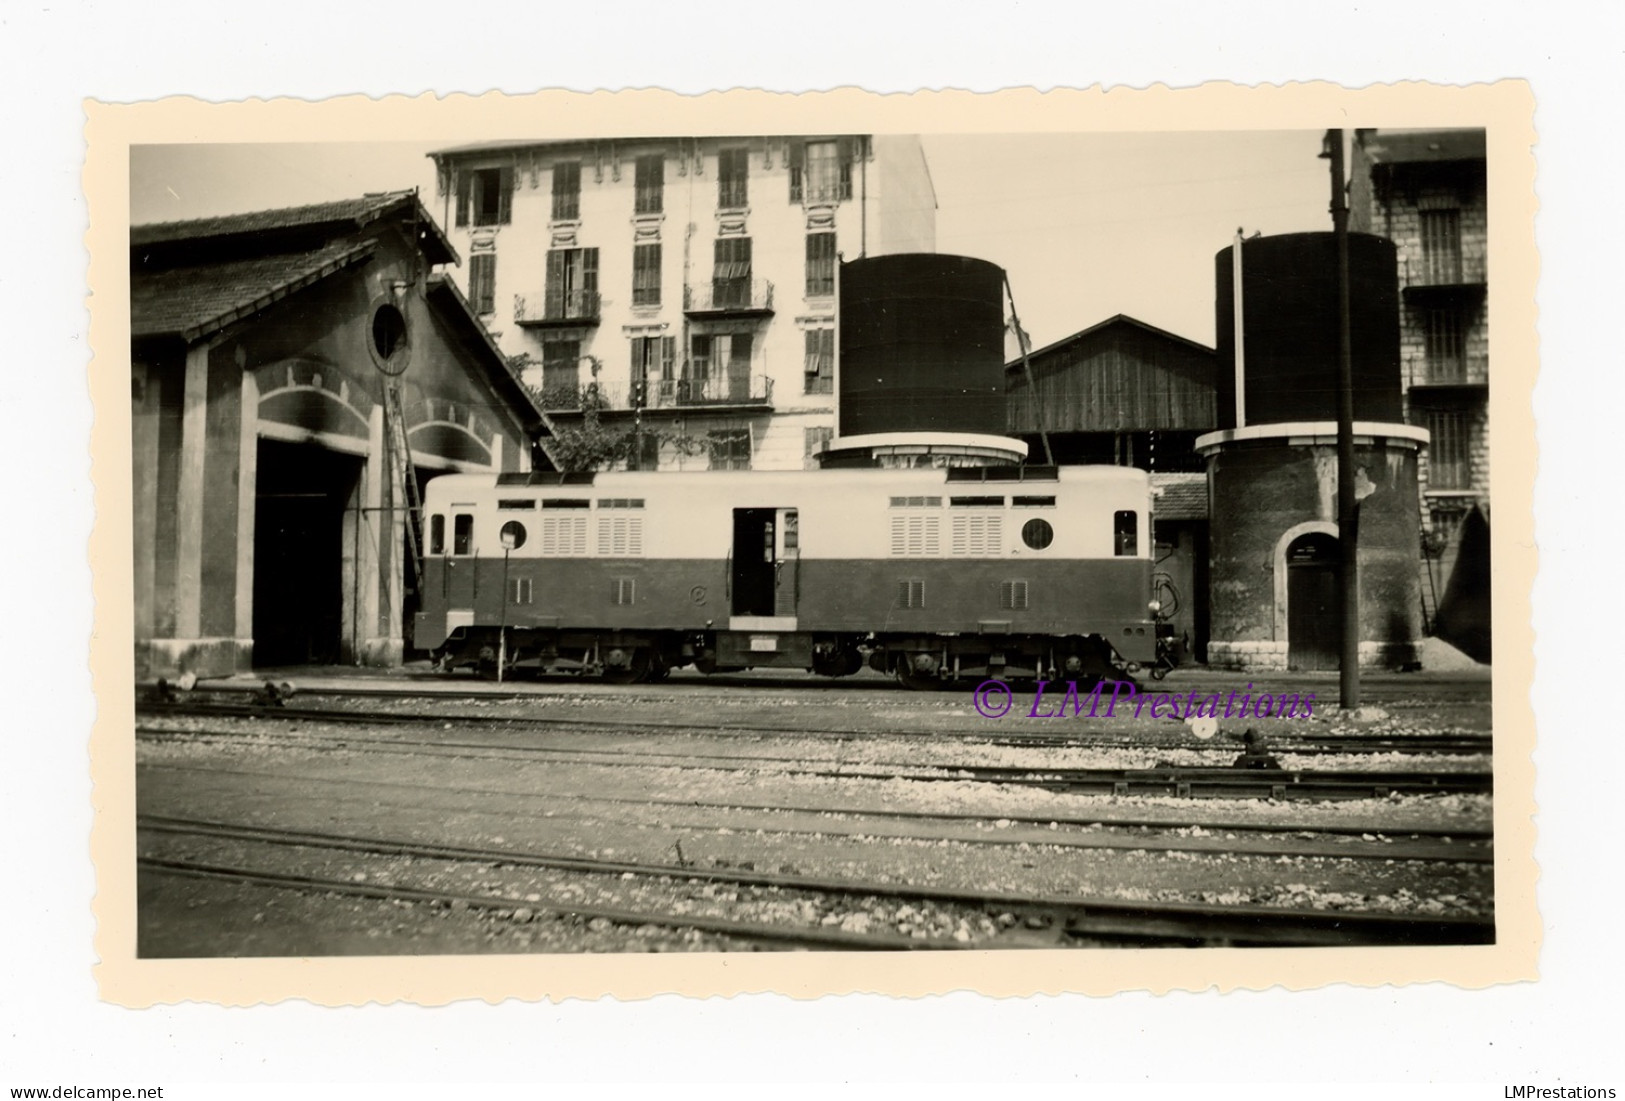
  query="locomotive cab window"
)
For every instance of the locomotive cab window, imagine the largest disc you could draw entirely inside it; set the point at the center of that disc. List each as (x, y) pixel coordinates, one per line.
(437, 534)
(1126, 532)
(462, 533)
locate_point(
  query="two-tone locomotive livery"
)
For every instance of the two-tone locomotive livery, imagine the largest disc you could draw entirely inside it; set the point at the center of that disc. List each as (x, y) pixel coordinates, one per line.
(930, 574)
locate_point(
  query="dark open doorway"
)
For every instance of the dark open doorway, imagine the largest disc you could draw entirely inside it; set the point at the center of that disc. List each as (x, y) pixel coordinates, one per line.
(1313, 619)
(754, 561)
(301, 492)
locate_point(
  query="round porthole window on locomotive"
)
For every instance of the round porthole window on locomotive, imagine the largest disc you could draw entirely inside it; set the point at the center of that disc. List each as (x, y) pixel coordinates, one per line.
(1037, 534)
(513, 535)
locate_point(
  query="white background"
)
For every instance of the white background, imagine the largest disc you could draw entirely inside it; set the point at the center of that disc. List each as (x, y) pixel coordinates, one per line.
(1560, 1031)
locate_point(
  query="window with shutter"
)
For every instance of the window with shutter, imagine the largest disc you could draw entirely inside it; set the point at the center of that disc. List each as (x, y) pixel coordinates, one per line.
(1449, 455)
(798, 169)
(732, 175)
(646, 275)
(489, 195)
(651, 183)
(567, 191)
(814, 441)
(730, 276)
(482, 282)
(1444, 335)
(820, 265)
(823, 172)
(572, 283)
(1441, 246)
(820, 361)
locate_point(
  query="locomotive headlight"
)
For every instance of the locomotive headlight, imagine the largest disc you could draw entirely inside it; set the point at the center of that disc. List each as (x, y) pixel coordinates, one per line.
(1155, 606)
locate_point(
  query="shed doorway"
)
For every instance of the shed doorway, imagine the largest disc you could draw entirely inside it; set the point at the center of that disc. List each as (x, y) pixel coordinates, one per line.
(301, 492)
(1314, 619)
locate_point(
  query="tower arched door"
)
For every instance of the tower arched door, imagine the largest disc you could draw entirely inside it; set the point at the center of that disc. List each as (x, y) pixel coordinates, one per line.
(1313, 617)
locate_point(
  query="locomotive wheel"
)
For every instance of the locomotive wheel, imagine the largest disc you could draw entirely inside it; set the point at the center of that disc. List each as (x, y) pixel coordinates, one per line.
(637, 668)
(918, 682)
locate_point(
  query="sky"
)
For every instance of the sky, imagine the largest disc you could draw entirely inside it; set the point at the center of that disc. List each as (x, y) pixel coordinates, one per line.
(1085, 225)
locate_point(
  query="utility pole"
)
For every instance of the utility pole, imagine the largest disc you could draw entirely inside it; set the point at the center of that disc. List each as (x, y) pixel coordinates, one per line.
(1027, 373)
(1348, 508)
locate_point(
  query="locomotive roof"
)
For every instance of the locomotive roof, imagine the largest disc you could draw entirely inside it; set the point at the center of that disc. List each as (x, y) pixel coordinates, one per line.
(958, 478)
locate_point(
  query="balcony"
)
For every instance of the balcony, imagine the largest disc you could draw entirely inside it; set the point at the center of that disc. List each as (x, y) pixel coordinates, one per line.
(729, 298)
(734, 391)
(725, 390)
(556, 309)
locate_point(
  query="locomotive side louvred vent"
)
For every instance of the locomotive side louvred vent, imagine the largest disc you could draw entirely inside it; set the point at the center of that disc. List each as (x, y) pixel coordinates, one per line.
(916, 534)
(1013, 595)
(620, 536)
(978, 534)
(911, 594)
(564, 535)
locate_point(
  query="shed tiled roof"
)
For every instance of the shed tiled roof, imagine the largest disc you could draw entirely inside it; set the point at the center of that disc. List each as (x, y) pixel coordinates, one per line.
(191, 302)
(1419, 146)
(358, 211)
(1183, 496)
(343, 217)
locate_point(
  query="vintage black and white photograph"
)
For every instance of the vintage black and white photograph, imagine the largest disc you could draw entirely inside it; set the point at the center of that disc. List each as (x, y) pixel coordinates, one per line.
(801, 541)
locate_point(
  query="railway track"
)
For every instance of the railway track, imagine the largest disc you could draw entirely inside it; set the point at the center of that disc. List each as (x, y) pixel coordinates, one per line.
(1237, 783)
(1466, 744)
(1042, 921)
(1350, 841)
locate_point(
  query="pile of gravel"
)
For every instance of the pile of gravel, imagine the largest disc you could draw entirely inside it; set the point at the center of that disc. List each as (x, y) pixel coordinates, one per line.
(1438, 656)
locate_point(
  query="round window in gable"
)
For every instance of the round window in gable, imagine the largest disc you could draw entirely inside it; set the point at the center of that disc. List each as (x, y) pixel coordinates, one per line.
(1037, 534)
(389, 338)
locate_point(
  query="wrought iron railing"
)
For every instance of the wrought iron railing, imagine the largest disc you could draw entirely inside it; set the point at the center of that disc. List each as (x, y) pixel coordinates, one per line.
(730, 294)
(556, 306)
(678, 393)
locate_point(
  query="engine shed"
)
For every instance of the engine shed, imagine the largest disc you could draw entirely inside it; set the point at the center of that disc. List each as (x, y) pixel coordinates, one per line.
(296, 375)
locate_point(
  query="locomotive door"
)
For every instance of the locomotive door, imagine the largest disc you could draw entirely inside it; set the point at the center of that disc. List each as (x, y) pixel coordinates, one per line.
(766, 559)
(1313, 615)
(461, 577)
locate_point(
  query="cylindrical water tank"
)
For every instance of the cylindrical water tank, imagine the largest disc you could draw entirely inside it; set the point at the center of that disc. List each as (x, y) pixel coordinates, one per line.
(922, 345)
(1291, 347)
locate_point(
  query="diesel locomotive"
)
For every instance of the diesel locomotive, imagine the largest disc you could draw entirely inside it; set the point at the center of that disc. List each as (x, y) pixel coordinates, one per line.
(933, 575)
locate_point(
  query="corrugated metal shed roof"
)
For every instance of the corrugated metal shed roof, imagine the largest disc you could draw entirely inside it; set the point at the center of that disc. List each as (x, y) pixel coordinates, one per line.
(191, 302)
(1183, 496)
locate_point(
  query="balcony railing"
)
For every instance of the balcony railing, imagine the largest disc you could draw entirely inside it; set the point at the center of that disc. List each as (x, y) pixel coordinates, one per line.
(680, 393)
(737, 297)
(729, 389)
(556, 308)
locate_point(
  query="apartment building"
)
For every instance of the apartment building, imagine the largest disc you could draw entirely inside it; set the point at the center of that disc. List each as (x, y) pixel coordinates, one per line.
(684, 288)
(1426, 190)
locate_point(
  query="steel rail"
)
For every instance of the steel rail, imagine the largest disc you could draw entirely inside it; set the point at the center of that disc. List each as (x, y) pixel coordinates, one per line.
(1239, 925)
(1105, 820)
(1326, 744)
(1180, 782)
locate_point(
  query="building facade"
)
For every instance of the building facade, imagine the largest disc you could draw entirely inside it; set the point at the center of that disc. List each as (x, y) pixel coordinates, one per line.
(685, 288)
(1427, 192)
(296, 375)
